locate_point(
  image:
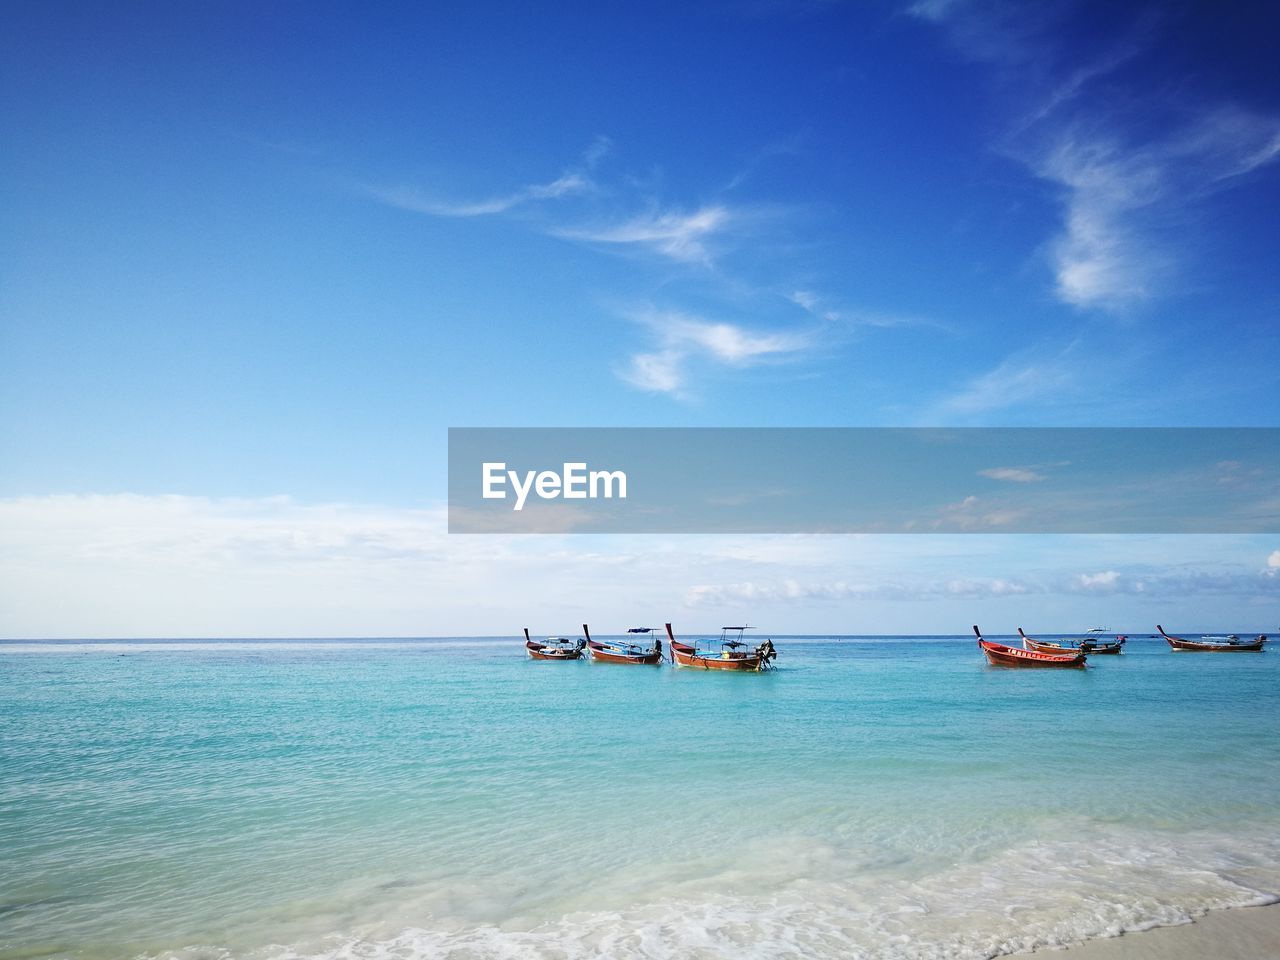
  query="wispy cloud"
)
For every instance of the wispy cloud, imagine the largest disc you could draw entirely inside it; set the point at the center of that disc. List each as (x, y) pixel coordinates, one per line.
(1117, 191)
(1012, 474)
(683, 338)
(1130, 188)
(1099, 257)
(821, 308)
(419, 201)
(1026, 376)
(574, 181)
(975, 513)
(679, 235)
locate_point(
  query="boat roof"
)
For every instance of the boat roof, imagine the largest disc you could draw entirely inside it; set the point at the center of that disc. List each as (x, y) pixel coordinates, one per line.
(642, 629)
(737, 628)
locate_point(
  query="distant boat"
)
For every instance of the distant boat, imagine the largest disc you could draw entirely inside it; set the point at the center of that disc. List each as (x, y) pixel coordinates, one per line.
(730, 652)
(1213, 645)
(644, 648)
(554, 648)
(1088, 644)
(1000, 655)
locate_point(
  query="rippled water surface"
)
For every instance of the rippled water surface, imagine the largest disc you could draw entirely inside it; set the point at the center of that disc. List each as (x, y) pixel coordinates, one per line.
(886, 797)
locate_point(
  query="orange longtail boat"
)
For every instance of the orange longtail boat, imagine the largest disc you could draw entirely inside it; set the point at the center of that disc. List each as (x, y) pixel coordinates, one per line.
(1215, 646)
(1001, 655)
(627, 651)
(553, 648)
(1090, 645)
(730, 652)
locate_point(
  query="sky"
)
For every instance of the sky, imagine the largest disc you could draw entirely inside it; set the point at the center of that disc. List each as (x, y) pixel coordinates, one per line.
(255, 259)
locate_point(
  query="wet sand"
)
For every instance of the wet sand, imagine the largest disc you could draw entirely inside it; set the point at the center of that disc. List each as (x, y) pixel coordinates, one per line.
(1246, 933)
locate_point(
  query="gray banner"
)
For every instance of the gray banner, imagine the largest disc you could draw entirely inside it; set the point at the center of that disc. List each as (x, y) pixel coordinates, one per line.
(864, 480)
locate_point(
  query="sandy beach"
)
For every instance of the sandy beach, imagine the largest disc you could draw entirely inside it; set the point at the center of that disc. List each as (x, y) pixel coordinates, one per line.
(1246, 933)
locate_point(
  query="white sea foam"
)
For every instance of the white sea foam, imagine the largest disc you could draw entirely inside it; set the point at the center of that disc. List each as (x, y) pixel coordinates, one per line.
(1035, 895)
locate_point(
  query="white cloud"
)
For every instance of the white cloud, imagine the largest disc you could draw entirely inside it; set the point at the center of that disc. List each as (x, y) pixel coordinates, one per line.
(682, 338)
(1018, 379)
(1012, 474)
(1104, 582)
(1120, 196)
(973, 513)
(818, 307)
(1129, 201)
(600, 148)
(417, 201)
(658, 372)
(674, 234)
(180, 566)
(1098, 258)
(1273, 561)
(792, 591)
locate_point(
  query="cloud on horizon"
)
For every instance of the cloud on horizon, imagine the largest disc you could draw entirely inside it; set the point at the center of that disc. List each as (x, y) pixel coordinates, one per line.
(131, 565)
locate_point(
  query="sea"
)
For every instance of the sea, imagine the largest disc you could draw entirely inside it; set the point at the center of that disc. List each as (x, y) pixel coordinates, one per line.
(872, 797)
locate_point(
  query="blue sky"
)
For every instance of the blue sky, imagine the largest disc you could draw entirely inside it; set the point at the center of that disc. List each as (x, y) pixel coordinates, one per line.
(257, 255)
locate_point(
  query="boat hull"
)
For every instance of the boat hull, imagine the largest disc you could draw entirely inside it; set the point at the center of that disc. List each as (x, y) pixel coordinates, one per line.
(687, 656)
(1089, 648)
(1179, 645)
(602, 655)
(539, 652)
(1003, 656)
(1043, 646)
(1194, 646)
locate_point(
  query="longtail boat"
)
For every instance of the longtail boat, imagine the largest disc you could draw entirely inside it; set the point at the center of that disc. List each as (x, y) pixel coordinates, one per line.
(646, 651)
(554, 648)
(1001, 655)
(1215, 646)
(1087, 644)
(730, 652)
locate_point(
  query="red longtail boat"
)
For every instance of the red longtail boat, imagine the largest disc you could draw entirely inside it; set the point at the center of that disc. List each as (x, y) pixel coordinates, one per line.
(731, 652)
(1090, 645)
(1215, 646)
(627, 651)
(553, 648)
(1001, 655)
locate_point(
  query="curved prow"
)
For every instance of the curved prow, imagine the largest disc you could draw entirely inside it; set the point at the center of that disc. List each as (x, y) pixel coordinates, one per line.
(586, 633)
(670, 636)
(976, 632)
(1165, 635)
(1021, 634)
(526, 635)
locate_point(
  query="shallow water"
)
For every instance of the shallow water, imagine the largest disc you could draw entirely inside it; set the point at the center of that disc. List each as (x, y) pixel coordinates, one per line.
(886, 797)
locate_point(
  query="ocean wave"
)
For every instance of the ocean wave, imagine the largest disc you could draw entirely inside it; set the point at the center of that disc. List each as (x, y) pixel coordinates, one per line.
(1036, 895)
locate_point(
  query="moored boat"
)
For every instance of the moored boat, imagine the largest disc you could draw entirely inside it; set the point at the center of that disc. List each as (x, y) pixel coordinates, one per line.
(553, 648)
(1089, 644)
(643, 649)
(1215, 646)
(730, 652)
(1001, 655)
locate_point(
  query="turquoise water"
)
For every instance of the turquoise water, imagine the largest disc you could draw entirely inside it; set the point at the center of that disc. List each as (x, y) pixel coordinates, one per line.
(873, 797)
